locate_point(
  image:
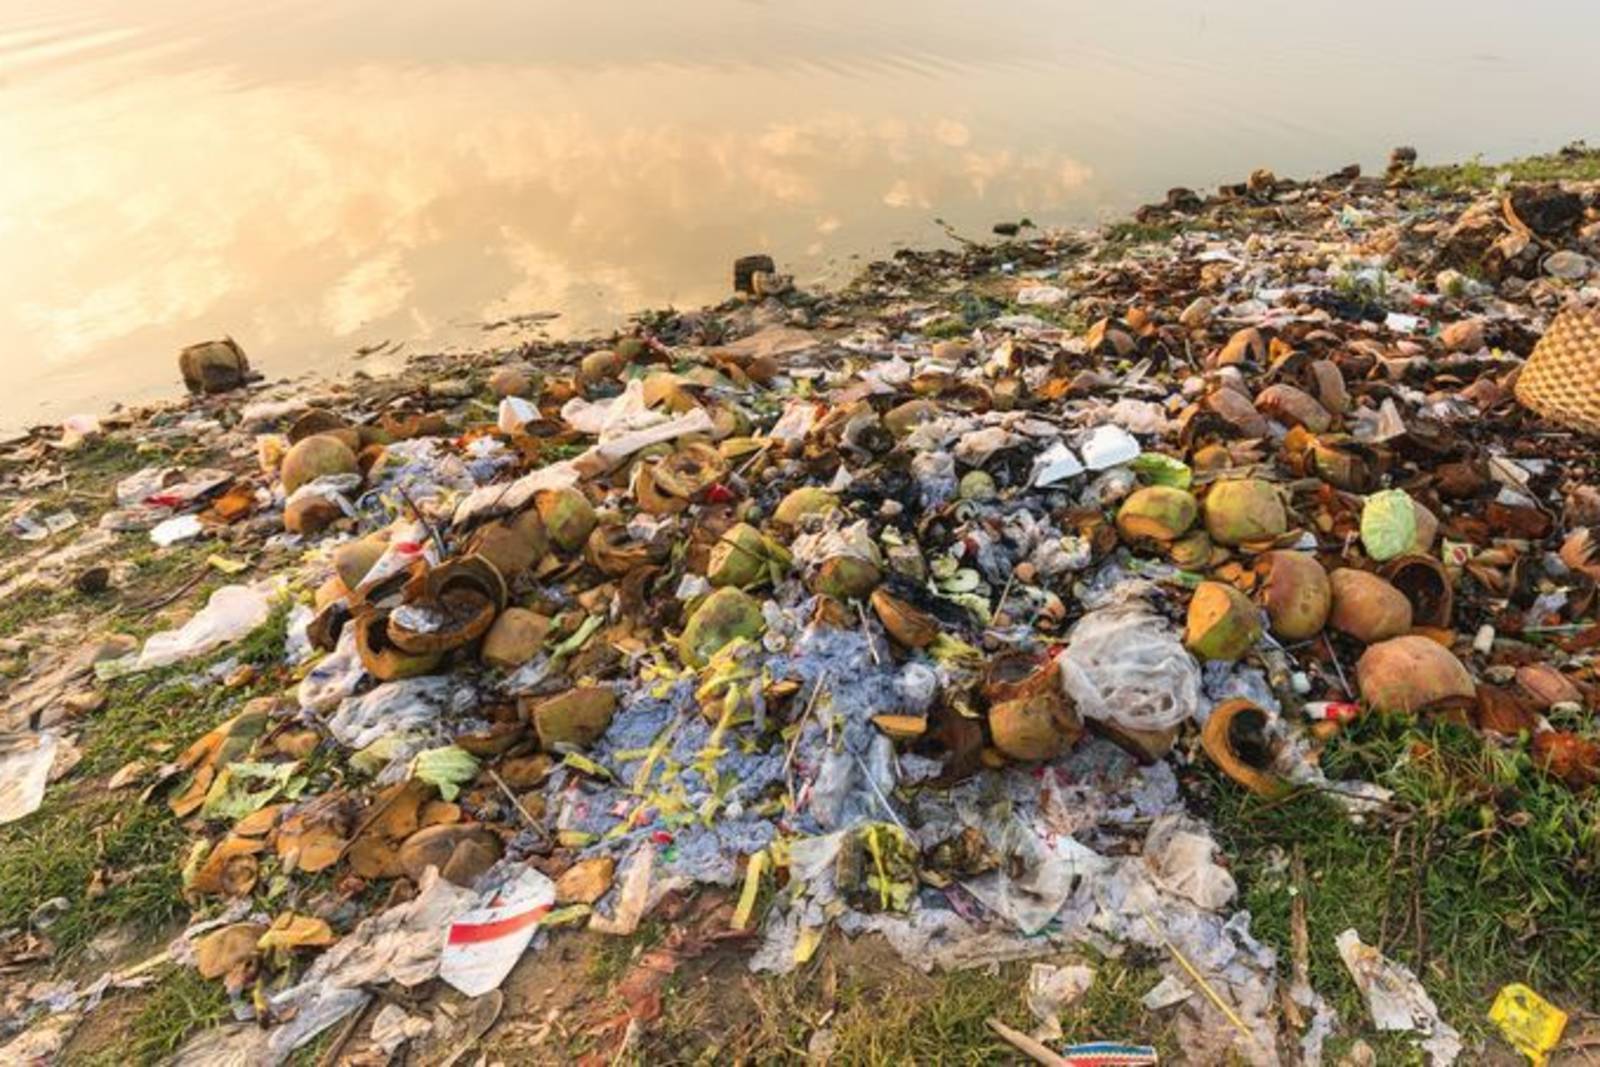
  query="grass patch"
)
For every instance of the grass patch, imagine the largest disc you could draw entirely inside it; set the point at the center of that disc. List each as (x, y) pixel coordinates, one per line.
(114, 861)
(154, 1022)
(1575, 163)
(1487, 877)
(1123, 236)
(30, 605)
(614, 955)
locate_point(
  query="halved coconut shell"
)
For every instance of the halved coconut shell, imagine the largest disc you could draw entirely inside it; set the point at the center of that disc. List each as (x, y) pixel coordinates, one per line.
(908, 625)
(382, 658)
(1423, 581)
(1235, 737)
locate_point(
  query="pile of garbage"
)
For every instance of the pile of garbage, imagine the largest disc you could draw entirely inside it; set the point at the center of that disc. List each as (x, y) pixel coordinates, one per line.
(886, 617)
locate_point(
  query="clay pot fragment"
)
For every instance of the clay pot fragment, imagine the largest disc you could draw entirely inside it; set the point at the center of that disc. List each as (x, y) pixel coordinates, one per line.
(1366, 607)
(1411, 674)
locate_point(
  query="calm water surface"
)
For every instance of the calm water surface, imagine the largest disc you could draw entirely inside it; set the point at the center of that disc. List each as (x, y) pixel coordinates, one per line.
(319, 177)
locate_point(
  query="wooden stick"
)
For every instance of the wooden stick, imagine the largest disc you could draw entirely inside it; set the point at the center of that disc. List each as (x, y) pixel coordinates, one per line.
(1024, 1044)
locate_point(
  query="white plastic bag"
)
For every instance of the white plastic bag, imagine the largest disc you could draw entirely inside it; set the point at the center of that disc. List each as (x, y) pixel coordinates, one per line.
(1127, 666)
(231, 613)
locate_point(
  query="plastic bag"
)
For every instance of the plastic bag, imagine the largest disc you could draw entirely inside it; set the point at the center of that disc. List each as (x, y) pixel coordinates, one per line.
(1127, 666)
(231, 613)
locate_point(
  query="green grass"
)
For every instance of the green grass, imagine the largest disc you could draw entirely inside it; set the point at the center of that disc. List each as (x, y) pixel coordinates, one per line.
(124, 852)
(1580, 163)
(1122, 237)
(33, 604)
(181, 1005)
(114, 859)
(1487, 877)
(614, 955)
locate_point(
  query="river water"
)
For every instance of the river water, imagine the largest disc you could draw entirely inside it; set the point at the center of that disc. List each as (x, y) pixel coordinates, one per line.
(321, 177)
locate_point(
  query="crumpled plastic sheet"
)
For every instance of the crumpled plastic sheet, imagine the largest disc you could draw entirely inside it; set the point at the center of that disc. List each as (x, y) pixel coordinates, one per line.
(1126, 665)
(1182, 858)
(1107, 898)
(402, 944)
(25, 761)
(402, 718)
(231, 613)
(1396, 1000)
(334, 677)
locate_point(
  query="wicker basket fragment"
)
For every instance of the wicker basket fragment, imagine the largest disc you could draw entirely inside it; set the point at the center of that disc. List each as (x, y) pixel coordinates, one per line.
(1561, 380)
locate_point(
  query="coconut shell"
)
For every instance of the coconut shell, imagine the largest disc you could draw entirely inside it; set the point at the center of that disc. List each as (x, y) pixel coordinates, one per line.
(1156, 513)
(1295, 593)
(1035, 728)
(515, 638)
(318, 456)
(724, 616)
(846, 577)
(808, 500)
(1366, 607)
(1411, 673)
(577, 717)
(568, 517)
(1244, 509)
(1223, 623)
(1235, 739)
(908, 625)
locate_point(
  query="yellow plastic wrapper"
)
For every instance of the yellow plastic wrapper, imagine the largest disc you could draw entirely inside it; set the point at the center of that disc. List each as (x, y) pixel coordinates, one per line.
(1530, 1023)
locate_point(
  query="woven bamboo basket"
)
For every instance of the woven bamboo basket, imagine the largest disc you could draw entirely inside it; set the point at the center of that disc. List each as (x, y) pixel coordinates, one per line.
(1561, 380)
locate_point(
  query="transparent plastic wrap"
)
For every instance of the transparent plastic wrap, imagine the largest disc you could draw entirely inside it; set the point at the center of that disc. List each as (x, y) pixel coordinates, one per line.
(1127, 666)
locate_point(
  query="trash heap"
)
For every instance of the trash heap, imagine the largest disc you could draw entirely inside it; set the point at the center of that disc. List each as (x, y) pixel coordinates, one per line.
(892, 633)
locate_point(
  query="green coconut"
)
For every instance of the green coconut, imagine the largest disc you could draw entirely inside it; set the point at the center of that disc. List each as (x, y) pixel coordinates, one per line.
(1244, 509)
(1156, 513)
(846, 577)
(743, 556)
(724, 616)
(1035, 728)
(568, 517)
(1223, 623)
(809, 500)
(318, 456)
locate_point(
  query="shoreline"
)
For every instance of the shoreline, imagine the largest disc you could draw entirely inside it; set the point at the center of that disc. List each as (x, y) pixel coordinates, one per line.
(1440, 181)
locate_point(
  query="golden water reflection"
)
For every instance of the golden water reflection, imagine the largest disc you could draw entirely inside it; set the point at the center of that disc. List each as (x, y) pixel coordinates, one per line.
(313, 178)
